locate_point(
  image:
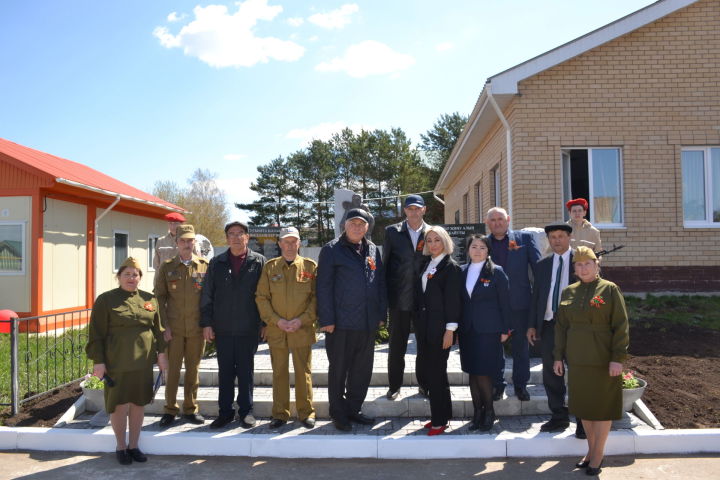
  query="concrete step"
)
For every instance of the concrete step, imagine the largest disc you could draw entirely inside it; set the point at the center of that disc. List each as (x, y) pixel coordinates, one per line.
(408, 404)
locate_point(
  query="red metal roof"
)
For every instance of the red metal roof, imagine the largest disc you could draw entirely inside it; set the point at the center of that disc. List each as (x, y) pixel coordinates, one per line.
(78, 175)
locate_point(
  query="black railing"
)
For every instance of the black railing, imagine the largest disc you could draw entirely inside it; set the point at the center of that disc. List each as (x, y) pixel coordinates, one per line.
(46, 352)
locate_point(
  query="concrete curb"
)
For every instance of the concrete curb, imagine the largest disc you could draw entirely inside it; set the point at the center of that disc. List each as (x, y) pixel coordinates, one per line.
(504, 445)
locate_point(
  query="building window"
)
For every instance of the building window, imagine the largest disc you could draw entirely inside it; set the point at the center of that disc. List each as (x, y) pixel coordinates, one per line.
(120, 249)
(466, 219)
(596, 175)
(478, 204)
(457, 217)
(12, 248)
(152, 242)
(701, 186)
(497, 186)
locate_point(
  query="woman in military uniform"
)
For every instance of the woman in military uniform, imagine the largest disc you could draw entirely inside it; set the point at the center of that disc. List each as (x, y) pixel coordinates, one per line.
(125, 340)
(592, 335)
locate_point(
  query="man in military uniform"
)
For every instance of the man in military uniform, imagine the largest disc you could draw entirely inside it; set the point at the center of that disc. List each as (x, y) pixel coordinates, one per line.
(178, 285)
(285, 297)
(166, 247)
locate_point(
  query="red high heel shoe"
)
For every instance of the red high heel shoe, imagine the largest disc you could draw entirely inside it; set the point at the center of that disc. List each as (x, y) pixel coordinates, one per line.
(436, 430)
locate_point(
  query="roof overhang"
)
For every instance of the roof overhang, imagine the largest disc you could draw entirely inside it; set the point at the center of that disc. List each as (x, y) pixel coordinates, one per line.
(504, 85)
(116, 195)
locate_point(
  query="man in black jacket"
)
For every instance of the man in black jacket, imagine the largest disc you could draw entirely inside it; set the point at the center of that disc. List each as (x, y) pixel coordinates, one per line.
(230, 316)
(402, 256)
(351, 303)
(553, 274)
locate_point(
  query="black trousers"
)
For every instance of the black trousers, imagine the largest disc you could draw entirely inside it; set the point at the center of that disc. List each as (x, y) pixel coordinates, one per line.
(520, 352)
(434, 359)
(236, 360)
(554, 384)
(400, 324)
(350, 354)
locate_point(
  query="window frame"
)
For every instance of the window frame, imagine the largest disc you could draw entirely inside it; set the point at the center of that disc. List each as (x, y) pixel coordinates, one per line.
(478, 201)
(497, 186)
(707, 184)
(116, 268)
(466, 206)
(565, 182)
(23, 249)
(152, 242)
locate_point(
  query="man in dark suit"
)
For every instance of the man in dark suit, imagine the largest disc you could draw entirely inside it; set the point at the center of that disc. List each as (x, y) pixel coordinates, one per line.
(517, 252)
(552, 275)
(402, 257)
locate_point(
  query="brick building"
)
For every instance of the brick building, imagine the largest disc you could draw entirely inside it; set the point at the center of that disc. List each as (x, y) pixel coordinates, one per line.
(627, 116)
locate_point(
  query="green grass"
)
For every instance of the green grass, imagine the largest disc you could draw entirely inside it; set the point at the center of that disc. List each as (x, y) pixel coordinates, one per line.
(694, 310)
(45, 361)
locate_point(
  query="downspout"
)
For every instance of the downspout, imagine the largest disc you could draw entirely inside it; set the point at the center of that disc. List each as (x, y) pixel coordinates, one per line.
(438, 198)
(97, 222)
(508, 146)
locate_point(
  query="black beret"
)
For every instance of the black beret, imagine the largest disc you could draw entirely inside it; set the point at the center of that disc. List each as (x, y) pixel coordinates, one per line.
(558, 226)
(359, 213)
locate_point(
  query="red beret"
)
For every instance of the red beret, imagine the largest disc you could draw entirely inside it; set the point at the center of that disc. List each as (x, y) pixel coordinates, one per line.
(174, 217)
(577, 201)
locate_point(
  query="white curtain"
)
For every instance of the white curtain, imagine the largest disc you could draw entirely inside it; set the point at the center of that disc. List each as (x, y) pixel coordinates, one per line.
(693, 184)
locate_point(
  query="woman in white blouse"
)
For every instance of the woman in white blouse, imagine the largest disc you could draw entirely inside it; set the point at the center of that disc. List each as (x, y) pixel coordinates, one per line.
(484, 325)
(438, 304)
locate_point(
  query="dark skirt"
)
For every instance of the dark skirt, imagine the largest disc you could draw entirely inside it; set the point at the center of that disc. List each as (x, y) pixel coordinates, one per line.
(130, 387)
(481, 353)
(593, 394)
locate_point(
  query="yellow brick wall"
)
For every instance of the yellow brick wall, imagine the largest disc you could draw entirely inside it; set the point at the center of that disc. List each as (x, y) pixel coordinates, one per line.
(649, 93)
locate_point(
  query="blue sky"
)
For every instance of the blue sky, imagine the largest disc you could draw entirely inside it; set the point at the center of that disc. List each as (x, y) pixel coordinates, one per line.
(148, 90)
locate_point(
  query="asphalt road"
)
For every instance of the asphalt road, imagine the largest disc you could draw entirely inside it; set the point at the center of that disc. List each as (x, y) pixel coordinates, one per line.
(60, 465)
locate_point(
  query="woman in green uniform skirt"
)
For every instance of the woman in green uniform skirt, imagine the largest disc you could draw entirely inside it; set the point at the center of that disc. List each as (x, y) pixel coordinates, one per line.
(591, 334)
(125, 340)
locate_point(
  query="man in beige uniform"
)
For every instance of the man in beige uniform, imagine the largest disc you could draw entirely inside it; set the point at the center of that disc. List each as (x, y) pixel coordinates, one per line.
(286, 301)
(166, 246)
(178, 284)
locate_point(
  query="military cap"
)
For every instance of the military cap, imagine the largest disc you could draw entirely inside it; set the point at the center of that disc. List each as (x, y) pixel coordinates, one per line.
(174, 217)
(358, 213)
(289, 232)
(583, 253)
(185, 231)
(557, 226)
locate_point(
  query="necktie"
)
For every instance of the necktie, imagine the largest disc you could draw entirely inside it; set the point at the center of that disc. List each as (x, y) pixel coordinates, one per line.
(556, 290)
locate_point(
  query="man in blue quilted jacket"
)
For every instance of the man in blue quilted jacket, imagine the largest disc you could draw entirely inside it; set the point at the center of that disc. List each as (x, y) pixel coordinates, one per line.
(352, 303)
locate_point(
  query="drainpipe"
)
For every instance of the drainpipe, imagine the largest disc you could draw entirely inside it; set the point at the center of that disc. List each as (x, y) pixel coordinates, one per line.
(438, 198)
(95, 246)
(508, 146)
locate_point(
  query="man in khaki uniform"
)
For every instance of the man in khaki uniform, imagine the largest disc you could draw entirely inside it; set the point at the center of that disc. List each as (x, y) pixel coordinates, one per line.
(166, 246)
(178, 284)
(286, 301)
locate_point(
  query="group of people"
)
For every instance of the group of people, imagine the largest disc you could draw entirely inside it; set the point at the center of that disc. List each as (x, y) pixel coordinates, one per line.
(505, 292)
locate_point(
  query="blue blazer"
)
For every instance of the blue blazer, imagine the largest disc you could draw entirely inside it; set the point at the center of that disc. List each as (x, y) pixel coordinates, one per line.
(487, 310)
(520, 263)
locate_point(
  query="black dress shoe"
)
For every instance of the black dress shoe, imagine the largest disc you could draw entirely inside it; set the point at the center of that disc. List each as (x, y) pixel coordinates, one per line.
(580, 430)
(593, 471)
(477, 420)
(342, 426)
(308, 422)
(166, 420)
(123, 457)
(392, 394)
(276, 423)
(361, 419)
(498, 393)
(522, 394)
(582, 464)
(488, 421)
(195, 418)
(220, 422)
(554, 425)
(423, 392)
(137, 455)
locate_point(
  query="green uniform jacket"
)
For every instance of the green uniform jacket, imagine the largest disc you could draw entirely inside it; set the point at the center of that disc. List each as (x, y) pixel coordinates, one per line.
(125, 332)
(178, 288)
(286, 292)
(592, 324)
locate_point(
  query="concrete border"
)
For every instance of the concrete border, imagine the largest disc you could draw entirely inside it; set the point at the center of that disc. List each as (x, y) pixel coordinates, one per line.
(504, 445)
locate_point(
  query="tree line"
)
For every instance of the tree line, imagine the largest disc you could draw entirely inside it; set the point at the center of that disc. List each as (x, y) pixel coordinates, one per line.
(380, 165)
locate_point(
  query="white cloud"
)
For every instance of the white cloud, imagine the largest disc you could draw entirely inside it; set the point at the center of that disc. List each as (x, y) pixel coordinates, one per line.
(174, 17)
(222, 39)
(234, 156)
(322, 131)
(237, 189)
(368, 58)
(295, 21)
(444, 46)
(334, 19)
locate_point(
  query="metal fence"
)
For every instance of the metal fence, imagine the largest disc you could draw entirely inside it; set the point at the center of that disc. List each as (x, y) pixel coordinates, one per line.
(45, 352)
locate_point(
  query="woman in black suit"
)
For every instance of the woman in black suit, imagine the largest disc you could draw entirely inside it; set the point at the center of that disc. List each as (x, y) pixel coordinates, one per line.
(484, 326)
(437, 318)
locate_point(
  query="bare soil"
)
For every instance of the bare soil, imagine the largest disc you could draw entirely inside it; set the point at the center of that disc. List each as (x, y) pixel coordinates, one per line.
(680, 363)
